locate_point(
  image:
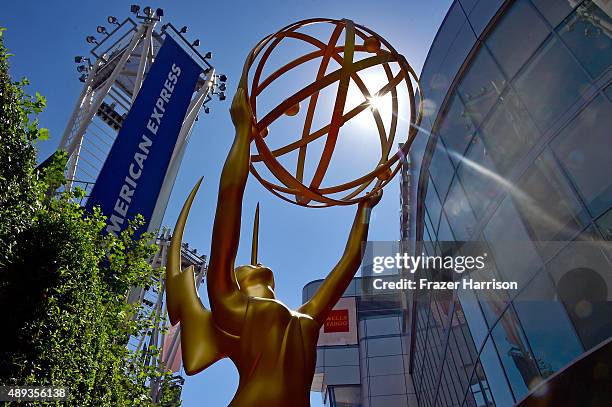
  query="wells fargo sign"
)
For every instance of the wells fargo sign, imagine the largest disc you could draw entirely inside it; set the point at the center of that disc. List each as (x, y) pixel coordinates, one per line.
(340, 328)
(337, 321)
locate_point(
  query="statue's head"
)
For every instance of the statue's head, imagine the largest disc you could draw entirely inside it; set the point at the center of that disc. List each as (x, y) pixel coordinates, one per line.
(255, 280)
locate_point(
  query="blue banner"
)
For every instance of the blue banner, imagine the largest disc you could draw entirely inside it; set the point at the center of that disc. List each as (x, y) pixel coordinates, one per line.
(132, 176)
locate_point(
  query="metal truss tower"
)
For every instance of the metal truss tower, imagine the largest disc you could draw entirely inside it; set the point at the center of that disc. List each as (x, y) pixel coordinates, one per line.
(112, 75)
(163, 336)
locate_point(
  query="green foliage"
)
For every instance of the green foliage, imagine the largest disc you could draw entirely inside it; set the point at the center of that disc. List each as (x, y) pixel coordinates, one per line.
(63, 283)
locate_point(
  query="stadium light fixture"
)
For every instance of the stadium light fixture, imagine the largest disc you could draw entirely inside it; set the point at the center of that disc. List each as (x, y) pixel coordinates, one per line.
(208, 55)
(112, 20)
(196, 43)
(183, 29)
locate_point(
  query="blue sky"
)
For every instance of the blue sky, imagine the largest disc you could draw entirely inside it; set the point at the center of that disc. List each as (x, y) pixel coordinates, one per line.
(299, 244)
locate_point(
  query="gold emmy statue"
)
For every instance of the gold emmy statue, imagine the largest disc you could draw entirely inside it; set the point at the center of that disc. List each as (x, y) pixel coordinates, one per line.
(274, 347)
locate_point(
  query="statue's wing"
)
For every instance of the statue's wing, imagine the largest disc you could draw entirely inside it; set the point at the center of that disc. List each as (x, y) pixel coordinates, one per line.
(202, 342)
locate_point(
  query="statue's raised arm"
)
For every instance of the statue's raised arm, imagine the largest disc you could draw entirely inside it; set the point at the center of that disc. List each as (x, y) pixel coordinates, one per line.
(340, 277)
(228, 304)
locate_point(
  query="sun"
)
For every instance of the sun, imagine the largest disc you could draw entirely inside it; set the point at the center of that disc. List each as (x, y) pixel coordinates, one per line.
(374, 81)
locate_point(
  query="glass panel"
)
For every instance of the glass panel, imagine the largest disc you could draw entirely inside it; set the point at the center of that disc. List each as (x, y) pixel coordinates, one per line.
(587, 33)
(508, 133)
(433, 340)
(495, 375)
(456, 130)
(382, 326)
(386, 385)
(388, 401)
(342, 375)
(493, 302)
(538, 84)
(385, 365)
(452, 383)
(347, 396)
(444, 234)
(441, 170)
(605, 225)
(385, 346)
(583, 277)
(479, 388)
(482, 13)
(473, 315)
(547, 203)
(444, 397)
(506, 237)
(457, 52)
(433, 206)
(459, 213)
(320, 356)
(583, 149)
(341, 356)
(554, 10)
(479, 178)
(435, 83)
(550, 333)
(429, 226)
(481, 86)
(514, 353)
(459, 359)
(522, 25)
(468, 5)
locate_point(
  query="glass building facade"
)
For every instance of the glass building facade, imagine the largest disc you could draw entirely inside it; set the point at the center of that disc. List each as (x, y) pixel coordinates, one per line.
(517, 156)
(374, 371)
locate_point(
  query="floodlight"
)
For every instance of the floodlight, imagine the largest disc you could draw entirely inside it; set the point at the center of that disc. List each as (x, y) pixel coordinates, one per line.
(78, 59)
(159, 12)
(83, 78)
(82, 68)
(221, 95)
(222, 87)
(101, 29)
(207, 110)
(222, 78)
(196, 43)
(148, 11)
(134, 8)
(183, 29)
(91, 39)
(112, 20)
(208, 55)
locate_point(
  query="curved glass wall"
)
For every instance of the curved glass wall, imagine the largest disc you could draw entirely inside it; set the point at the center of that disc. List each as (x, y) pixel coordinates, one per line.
(519, 152)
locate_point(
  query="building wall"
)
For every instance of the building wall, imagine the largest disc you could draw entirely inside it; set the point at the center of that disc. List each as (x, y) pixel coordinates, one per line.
(373, 373)
(520, 118)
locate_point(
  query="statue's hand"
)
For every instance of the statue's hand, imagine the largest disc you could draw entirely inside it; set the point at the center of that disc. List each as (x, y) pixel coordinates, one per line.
(372, 200)
(242, 115)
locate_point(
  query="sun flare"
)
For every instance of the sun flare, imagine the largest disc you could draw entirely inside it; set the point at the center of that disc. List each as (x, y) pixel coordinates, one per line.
(382, 104)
